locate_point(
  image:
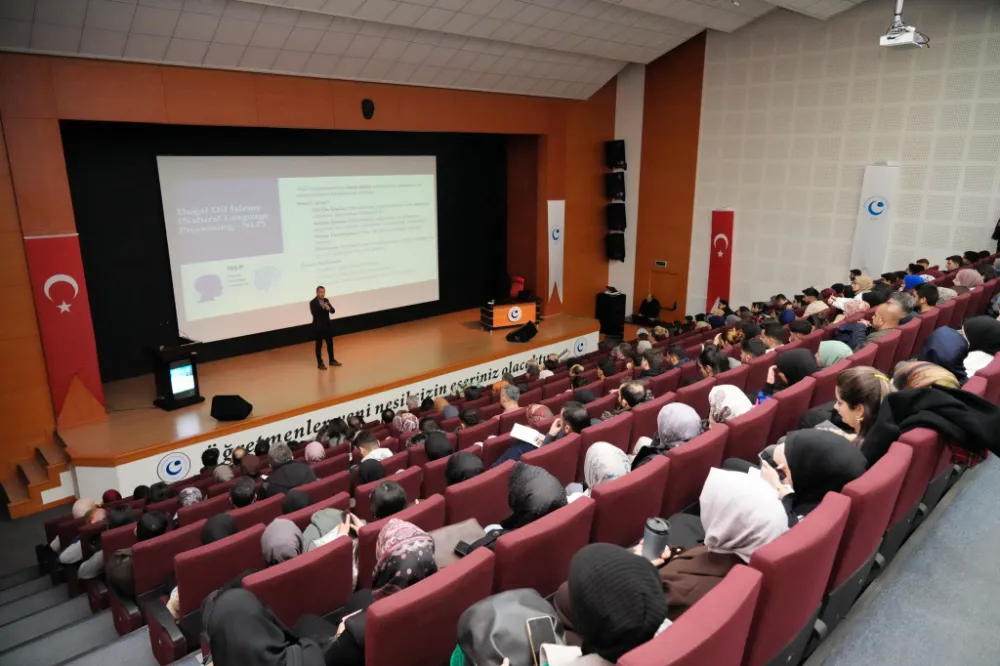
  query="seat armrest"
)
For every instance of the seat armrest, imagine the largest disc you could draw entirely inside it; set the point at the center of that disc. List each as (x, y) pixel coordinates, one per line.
(156, 613)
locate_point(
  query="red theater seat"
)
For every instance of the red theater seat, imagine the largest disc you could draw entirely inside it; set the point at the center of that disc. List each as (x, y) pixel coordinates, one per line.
(559, 458)
(748, 433)
(665, 383)
(508, 419)
(689, 466)
(887, 346)
(928, 322)
(736, 377)
(428, 515)
(622, 506)
(552, 389)
(991, 374)
(302, 517)
(483, 497)
(494, 448)
(330, 466)
(258, 513)
(795, 568)
(601, 405)
(792, 402)
(644, 418)
(435, 481)
(907, 338)
(712, 632)
(168, 506)
(556, 402)
(826, 382)
(530, 397)
(217, 489)
(864, 357)
(538, 555)
(328, 487)
(616, 430)
(489, 411)
(757, 374)
(410, 478)
(926, 453)
(205, 509)
(614, 381)
(958, 314)
(416, 626)
(477, 433)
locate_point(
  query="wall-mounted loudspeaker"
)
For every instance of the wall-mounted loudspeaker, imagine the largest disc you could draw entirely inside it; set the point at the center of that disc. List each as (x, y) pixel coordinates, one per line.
(614, 245)
(614, 154)
(614, 213)
(230, 408)
(367, 108)
(614, 185)
(524, 333)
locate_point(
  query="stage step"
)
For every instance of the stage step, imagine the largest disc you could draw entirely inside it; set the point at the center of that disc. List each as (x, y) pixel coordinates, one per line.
(33, 603)
(71, 640)
(44, 622)
(23, 489)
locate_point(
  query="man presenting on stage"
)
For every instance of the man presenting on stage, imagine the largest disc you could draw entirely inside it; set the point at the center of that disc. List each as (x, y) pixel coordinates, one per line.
(321, 311)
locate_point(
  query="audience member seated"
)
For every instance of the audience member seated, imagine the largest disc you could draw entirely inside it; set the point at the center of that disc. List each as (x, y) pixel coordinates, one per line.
(387, 499)
(437, 446)
(604, 462)
(752, 348)
(467, 418)
(814, 304)
(713, 361)
(209, 459)
(159, 492)
(222, 474)
(281, 541)
(726, 402)
(773, 335)
(862, 284)
(387, 416)
(966, 280)
(887, 318)
(140, 492)
(798, 329)
(675, 424)
(860, 393)
(462, 466)
(677, 357)
(109, 496)
(93, 567)
(366, 447)
(983, 334)
(262, 448)
(532, 370)
(369, 471)
(295, 500)
(118, 571)
(605, 367)
(630, 394)
(947, 348)
(644, 343)
(652, 363)
(243, 492)
(187, 497)
(831, 352)
(790, 368)
(286, 472)
(921, 374)
(572, 418)
(250, 464)
(535, 413)
(73, 553)
(953, 263)
(509, 397)
(315, 452)
(532, 493)
(404, 422)
(326, 525)
(218, 527)
(551, 364)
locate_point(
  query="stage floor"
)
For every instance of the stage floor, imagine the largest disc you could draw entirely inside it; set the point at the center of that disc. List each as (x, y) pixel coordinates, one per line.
(282, 383)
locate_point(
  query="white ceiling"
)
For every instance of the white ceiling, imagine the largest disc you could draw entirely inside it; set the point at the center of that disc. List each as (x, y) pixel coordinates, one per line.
(557, 48)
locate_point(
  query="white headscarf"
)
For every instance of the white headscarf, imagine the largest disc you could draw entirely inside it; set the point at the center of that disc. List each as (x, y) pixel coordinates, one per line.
(740, 513)
(726, 402)
(677, 423)
(604, 462)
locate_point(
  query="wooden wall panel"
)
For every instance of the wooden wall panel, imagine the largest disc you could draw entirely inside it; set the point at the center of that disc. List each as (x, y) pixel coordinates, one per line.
(99, 90)
(285, 101)
(34, 146)
(26, 89)
(209, 97)
(671, 120)
(522, 210)
(8, 207)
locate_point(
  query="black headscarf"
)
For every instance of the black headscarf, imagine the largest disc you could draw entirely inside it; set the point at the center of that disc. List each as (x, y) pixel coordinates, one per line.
(983, 334)
(437, 446)
(370, 470)
(820, 462)
(584, 396)
(616, 598)
(218, 527)
(294, 501)
(532, 494)
(243, 632)
(796, 365)
(948, 348)
(462, 466)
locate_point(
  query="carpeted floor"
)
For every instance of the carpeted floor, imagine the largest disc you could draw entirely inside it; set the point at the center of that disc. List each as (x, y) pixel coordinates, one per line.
(20, 536)
(940, 607)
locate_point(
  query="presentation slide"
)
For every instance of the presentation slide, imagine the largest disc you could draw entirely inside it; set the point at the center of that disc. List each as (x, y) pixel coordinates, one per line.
(250, 238)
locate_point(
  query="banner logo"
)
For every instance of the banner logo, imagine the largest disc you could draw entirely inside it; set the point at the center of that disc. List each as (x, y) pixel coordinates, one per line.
(876, 206)
(514, 314)
(716, 246)
(580, 347)
(173, 467)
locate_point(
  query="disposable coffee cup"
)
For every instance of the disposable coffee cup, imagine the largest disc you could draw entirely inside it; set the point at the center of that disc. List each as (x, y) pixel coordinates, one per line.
(655, 538)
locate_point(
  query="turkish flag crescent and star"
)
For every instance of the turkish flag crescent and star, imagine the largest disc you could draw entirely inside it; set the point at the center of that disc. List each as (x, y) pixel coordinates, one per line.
(720, 261)
(63, 309)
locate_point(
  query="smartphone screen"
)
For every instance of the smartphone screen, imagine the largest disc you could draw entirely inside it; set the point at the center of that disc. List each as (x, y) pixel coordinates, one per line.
(541, 630)
(766, 456)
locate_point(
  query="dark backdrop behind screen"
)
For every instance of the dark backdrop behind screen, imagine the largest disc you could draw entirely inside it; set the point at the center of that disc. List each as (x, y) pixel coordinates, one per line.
(119, 216)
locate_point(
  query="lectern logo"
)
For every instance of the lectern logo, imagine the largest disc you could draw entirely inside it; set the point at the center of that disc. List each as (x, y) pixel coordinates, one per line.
(514, 314)
(173, 467)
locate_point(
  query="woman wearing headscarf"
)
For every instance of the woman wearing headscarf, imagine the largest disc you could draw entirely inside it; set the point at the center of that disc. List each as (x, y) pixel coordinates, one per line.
(370, 470)
(532, 494)
(789, 369)
(81, 508)
(862, 284)
(187, 497)
(314, 452)
(831, 352)
(437, 446)
(405, 422)
(440, 403)
(537, 413)
(281, 541)
(966, 280)
(948, 348)
(584, 396)
(222, 474)
(851, 307)
(811, 463)
(726, 402)
(675, 424)
(983, 334)
(604, 462)
(462, 466)
(110, 496)
(218, 527)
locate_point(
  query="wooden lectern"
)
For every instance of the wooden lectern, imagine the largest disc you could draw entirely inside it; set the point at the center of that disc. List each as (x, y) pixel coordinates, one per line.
(507, 315)
(175, 371)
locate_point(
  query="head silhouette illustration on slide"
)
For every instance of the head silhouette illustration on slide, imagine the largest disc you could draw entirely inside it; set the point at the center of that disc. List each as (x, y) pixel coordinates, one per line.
(265, 278)
(209, 287)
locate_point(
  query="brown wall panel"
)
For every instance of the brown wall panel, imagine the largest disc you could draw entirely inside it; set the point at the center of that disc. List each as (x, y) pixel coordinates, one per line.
(99, 90)
(285, 101)
(522, 209)
(209, 97)
(38, 167)
(671, 119)
(26, 87)
(8, 207)
(13, 266)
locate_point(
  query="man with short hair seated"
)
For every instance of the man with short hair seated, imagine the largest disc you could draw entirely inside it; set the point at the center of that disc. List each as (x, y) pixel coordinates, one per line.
(927, 298)
(243, 492)
(652, 363)
(367, 447)
(799, 329)
(286, 472)
(509, 396)
(885, 320)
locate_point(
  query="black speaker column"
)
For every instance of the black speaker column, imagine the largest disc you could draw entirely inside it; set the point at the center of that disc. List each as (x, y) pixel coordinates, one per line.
(524, 333)
(614, 191)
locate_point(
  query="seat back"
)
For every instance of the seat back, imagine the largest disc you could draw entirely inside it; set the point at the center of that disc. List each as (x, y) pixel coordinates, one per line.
(556, 402)
(825, 386)
(958, 314)
(907, 337)
(689, 466)
(483, 497)
(977, 386)
(736, 377)
(811, 341)
(531, 396)
(435, 481)
(926, 451)
(873, 496)
(396, 461)
(886, 351)
(508, 419)
(795, 568)
(168, 506)
(614, 381)
(416, 626)
(495, 447)
(665, 383)
(792, 402)
(601, 405)
(207, 568)
(489, 411)
(757, 374)
(417, 456)
(616, 430)
(153, 560)
(928, 322)
(991, 374)
(551, 389)
(559, 458)
(644, 417)
(302, 517)
(330, 466)
(410, 478)
(477, 433)
(696, 395)
(712, 632)
(259, 513)
(864, 356)
(68, 530)
(622, 506)
(117, 539)
(946, 311)
(748, 433)
(538, 555)
(323, 488)
(205, 509)
(217, 489)
(314, 583)
(428, 515)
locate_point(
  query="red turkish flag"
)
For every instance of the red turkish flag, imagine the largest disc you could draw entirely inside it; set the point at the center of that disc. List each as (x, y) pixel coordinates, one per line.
(720, 261)
(63, 310)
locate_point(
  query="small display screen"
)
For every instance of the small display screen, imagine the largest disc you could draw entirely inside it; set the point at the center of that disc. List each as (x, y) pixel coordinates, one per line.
(182, 379)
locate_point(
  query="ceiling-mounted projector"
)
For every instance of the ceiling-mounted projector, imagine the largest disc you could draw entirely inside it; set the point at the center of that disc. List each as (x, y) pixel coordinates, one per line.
(902, 36)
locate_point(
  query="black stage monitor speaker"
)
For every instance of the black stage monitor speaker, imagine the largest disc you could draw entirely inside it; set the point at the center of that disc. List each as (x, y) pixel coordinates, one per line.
(614, 213)
(614, 154)
(524, 333)
(614, 185)
(230, 408)
(614, 245)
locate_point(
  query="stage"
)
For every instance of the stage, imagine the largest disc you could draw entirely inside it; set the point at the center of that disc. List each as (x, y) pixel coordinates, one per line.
(291, 397)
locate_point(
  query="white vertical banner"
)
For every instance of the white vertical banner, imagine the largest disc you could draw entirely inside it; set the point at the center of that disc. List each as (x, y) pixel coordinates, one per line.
(557, 219)
(876, 210)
